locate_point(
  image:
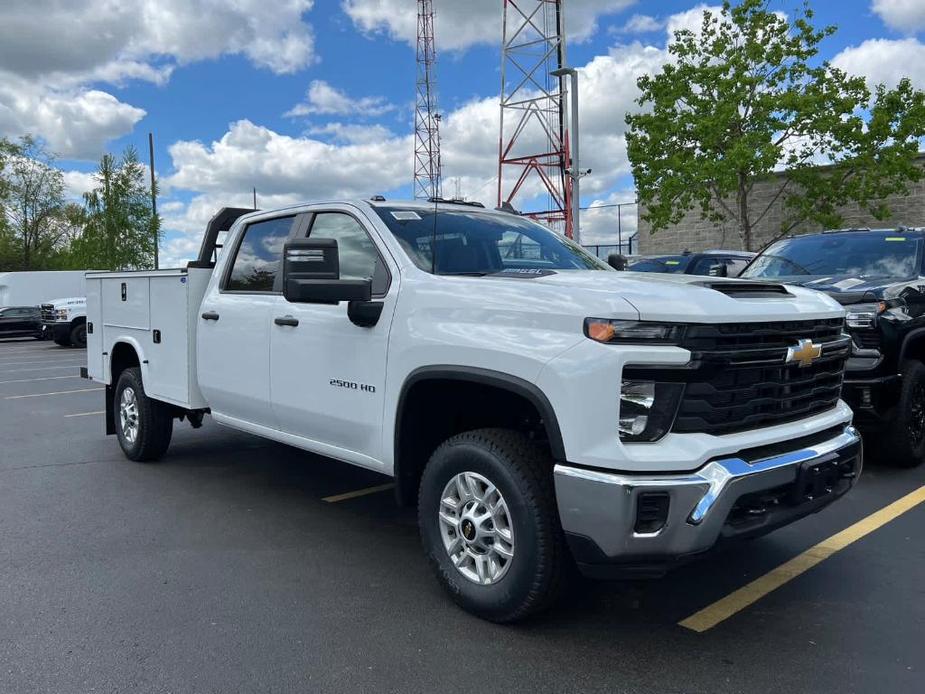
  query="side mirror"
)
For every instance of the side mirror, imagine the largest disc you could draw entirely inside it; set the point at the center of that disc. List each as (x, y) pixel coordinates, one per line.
(617, 261)
(719, 270)
(311, 274)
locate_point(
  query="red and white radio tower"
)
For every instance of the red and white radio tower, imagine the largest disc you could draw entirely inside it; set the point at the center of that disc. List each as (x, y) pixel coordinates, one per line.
(533, 149)
(426, 119)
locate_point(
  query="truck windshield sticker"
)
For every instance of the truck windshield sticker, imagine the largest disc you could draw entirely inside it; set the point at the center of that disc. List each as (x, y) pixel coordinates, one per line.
(406, 215)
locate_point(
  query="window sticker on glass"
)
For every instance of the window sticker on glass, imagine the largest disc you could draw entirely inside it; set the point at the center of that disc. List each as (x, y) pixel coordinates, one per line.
(672, 262)
(406, 215)
(895, 238)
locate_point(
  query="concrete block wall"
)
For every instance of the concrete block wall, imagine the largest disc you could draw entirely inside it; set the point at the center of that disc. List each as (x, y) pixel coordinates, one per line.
(696, 234)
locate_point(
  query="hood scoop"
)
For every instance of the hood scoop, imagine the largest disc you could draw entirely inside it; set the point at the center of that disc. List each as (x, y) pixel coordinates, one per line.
(748, 290)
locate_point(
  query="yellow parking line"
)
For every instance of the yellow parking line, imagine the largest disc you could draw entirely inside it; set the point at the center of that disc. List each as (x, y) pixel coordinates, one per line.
(58, 392)
(722, 609)
(358, 492)
(85, 414)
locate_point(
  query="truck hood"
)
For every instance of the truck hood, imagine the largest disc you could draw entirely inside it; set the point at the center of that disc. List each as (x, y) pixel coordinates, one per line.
(684, 298)
(849, 289)
(68, 302)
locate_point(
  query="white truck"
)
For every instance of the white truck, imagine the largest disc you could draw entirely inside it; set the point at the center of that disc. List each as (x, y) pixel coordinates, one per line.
(538, 407)
(65, 320)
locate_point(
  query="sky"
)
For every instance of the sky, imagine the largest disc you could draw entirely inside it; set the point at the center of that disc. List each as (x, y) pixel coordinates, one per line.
(314, 99)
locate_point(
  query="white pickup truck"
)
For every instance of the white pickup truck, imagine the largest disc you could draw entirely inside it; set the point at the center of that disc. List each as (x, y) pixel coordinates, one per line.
(537, 406)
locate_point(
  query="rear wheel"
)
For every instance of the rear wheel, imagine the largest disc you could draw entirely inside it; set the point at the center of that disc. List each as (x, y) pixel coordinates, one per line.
(79, 335)
(489, 523)
(905, 439)
(143, 426)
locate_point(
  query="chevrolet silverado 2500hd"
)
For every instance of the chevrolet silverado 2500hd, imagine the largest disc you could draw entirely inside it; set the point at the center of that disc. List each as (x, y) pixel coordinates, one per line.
(537, 406)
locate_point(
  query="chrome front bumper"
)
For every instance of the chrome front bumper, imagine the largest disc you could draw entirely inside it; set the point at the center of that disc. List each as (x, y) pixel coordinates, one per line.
(748, 495)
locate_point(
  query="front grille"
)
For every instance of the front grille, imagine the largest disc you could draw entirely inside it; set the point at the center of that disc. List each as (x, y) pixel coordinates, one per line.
(48, 312)
(739, 379)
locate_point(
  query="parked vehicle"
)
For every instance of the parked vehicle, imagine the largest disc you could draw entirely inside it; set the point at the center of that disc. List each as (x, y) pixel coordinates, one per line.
(34, 288)
(709, 263)
(879, 277)
(66, 321)
(537, 406)
(21, 321)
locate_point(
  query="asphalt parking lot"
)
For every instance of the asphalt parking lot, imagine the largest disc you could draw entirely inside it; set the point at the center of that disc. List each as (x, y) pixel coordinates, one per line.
(237, 564)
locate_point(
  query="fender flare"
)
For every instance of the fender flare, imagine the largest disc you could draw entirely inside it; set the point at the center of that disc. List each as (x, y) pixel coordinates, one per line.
(497, 379)
(907, 339)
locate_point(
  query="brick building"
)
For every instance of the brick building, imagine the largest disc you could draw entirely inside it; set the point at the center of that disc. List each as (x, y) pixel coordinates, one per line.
(697, 234)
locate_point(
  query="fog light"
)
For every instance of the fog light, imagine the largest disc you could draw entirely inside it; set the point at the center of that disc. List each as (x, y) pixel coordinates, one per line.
(647, 409)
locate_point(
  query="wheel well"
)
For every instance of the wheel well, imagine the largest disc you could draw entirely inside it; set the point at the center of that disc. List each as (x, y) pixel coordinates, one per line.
(78, 321)
(914, 346)
(435, 407)
(123, 356)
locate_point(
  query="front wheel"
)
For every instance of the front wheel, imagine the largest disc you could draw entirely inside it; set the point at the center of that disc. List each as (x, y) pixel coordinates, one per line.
(79, 335)
(143, 426)
(905, 439)
(489, 523)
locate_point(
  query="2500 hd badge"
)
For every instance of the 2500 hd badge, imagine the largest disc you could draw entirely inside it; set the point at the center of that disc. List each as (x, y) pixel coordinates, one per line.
(352, 385)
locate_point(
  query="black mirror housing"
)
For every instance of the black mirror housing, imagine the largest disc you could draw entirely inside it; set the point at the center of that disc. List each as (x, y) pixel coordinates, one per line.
(311, 274)
(617, 261)
(719, 270)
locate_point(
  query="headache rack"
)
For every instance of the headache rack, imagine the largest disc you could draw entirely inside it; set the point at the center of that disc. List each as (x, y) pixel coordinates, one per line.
(223, 220)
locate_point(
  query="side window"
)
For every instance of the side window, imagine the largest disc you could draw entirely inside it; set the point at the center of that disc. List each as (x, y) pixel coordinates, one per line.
(359, 259)
(734, 266)
(256, 262)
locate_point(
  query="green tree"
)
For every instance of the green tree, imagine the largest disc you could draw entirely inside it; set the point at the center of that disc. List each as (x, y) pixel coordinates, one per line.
(31, 198)
(747, 100)
(119, 230)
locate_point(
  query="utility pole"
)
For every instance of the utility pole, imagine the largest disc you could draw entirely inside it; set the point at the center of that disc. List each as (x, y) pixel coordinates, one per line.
(255, 197)
(155, 223)
(573, 171)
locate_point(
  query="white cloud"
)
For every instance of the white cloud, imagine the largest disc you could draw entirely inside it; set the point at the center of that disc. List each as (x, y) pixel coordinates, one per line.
(906, 16)
(640, 24)
(352, 133)
(459, 24)
(324, 99)
(52, 51)
(885, 61)
(76, 183)
(75, 123)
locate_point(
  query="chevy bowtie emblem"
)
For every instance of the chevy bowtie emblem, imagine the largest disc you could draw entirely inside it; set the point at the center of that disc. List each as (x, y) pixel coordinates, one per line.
(805, 352)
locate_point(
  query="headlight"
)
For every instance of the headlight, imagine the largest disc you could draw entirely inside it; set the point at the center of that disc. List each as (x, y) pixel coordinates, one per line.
(647, 409)
(61, 314)
(864, 315)
(631, 331)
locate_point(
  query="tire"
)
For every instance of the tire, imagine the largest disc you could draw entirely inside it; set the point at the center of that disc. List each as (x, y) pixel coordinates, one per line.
(904, 442)
(79, 335)
(153, 422)
(521, 471)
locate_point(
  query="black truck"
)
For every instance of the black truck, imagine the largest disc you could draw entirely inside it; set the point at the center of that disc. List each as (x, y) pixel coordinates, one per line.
(878, 275)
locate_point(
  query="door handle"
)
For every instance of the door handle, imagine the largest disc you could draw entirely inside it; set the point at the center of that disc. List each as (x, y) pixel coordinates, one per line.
(210, 315)
(286, 320)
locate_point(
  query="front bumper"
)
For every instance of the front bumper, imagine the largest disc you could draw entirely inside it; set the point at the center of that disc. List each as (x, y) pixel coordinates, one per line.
(57, 330)
(608, 516)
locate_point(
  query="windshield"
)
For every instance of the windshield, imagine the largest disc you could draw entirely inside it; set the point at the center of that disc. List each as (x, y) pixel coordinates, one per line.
(479, 243)
(668, 263)
(855, 254)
